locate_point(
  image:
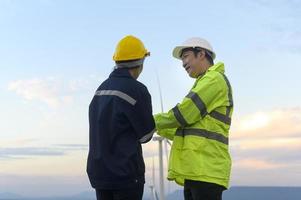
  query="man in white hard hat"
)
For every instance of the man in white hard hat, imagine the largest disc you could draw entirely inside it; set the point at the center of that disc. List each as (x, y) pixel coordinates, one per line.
(199, 125)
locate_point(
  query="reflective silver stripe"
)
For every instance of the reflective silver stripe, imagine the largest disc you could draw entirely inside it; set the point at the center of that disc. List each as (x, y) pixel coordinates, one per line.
(230, 90)
(147, 136)
(219, 116)
(203, 133)
(116, 93)
(179, 116)
(198, 102)
(228, 111)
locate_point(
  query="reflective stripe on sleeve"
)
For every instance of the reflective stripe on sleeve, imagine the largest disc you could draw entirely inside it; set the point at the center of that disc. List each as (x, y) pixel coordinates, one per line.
(179, 116)
(203, 133)
(198, 102)
(223, 118)
(147, 136)
(228, 110)
(230, 90)
(118, 94)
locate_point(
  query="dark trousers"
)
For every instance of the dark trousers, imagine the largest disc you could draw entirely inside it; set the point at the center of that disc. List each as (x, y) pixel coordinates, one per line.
(124, 194)
(198, 190)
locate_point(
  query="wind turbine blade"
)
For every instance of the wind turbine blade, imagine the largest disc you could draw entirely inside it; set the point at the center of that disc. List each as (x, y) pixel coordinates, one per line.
(153, 173)
(156, 195)
(160, 92)
(168, 142)
(166, 150)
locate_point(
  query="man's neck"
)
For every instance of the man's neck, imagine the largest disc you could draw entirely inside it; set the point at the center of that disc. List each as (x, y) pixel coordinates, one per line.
(134, 73)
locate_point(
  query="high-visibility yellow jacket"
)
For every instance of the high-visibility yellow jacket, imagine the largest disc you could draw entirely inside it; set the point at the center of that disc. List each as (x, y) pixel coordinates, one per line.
(199, 127)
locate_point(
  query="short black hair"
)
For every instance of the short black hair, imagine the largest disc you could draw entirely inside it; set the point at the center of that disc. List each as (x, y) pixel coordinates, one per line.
(128, 61)
(196, 50)
(125, 61)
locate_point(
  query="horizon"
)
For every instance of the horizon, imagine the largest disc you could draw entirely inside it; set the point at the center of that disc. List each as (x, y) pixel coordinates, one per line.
(56, 53)
(232, 191)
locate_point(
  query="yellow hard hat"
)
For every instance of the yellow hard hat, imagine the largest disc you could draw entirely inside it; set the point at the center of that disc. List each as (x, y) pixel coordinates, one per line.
(130, 48)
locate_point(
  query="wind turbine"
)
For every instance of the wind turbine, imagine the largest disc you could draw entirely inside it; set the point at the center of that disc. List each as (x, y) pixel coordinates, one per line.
(154, 194)
(161, 140)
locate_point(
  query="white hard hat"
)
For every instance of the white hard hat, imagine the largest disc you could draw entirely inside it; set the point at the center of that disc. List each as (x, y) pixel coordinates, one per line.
(193, 42)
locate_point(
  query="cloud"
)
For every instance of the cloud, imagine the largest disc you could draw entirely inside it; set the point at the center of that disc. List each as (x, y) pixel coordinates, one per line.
(267, 140)
(274, 124)
(73, 146)
(23, 152)
(278, 25)
(285, 36)
(291, 5)
(257, 164)
(39, 186)
(49, 91)
(290, 143)
(18, 141)
(54, 91)
(26, 152)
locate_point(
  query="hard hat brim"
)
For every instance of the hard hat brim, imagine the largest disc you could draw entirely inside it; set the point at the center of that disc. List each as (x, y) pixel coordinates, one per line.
(177, 50)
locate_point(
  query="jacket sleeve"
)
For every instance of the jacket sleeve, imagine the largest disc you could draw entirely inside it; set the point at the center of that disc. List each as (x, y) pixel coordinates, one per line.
(167, 133)
(204, 97)
(142, 118)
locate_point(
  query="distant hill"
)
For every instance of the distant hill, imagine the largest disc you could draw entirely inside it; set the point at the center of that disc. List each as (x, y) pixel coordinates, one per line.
(86, 195)
(252, 193)
(9, 195)
(234, 193)
(263, 193)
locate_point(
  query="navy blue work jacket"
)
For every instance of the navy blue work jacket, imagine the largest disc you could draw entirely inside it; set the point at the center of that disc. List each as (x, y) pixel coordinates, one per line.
(120, 119)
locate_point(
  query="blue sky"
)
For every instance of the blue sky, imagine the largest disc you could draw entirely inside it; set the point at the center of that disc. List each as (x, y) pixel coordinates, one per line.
(54, 54)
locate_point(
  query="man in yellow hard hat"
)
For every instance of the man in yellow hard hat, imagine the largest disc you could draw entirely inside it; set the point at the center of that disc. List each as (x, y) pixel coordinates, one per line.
(199, 125)
(120, 118)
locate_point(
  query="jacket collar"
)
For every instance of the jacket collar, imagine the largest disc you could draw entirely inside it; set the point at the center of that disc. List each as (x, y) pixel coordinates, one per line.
(121, 72)
(219, 67)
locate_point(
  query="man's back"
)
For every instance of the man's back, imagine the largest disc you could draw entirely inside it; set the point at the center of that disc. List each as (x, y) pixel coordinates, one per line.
(120, 114)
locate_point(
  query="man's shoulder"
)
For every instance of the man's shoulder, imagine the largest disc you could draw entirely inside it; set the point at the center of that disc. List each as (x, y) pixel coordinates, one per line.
(212, 79)
(128, 86)
(141, 85)
(139, 90)
(211, 76)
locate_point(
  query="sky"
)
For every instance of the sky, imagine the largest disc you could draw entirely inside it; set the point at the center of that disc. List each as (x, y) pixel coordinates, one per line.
(54, 54)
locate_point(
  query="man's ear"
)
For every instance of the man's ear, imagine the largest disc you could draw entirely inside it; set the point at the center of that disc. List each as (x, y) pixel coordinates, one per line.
(201, 54)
